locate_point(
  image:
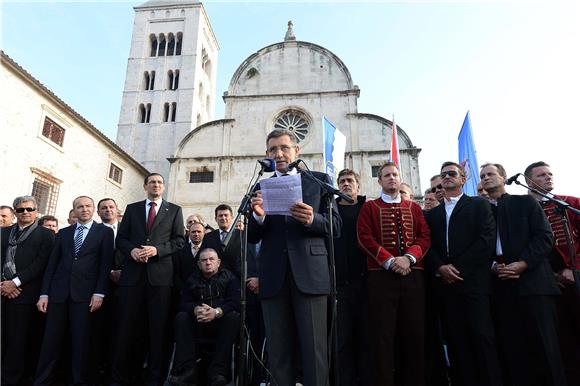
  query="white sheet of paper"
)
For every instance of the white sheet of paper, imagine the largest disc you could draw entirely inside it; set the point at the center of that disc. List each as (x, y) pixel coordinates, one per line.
(280, 193)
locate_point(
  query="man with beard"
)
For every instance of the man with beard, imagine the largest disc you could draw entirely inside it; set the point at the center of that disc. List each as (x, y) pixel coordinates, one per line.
(393, 234)
(539, 176)
(524, 287)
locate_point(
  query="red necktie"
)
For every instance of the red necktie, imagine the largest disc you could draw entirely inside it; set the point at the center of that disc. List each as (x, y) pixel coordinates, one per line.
(151, 216)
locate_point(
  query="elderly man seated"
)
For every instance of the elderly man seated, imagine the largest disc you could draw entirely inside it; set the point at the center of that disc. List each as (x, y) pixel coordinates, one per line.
(210, 302)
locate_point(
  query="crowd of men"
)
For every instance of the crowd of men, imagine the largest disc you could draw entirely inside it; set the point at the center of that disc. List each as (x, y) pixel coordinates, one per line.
(462, 291)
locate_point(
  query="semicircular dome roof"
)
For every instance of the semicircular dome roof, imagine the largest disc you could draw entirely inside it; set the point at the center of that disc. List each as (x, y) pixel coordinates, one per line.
(290, 67)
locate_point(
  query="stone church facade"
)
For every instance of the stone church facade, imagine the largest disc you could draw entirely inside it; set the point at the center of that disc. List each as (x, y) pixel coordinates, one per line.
(290, 84)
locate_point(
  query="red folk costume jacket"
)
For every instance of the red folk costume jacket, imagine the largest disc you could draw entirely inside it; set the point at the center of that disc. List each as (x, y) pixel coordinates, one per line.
(560, 246)
(385, 230)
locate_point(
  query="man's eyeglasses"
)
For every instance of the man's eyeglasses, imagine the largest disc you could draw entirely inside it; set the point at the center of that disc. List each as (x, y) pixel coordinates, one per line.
(284, 148)
(21, 210)
(450, 173)
(436, 188)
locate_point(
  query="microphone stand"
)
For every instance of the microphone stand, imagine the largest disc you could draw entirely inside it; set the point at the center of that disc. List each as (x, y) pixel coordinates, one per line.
(330, 192)
(561, 208)
(243, 210)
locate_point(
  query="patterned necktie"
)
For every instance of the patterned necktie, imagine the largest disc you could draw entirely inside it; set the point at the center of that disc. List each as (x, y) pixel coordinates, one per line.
(151, 216)
(79, 239)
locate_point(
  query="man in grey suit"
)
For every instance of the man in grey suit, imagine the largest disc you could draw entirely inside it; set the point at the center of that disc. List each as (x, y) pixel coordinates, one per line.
(294, 275)
(150, 233)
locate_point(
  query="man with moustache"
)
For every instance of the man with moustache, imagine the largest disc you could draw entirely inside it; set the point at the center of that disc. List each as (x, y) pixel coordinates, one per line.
(524, 286)
(49, 222)
(351, 275)
(393, 234)
(150, 233)
(462, 243)
(73, 287)
(539, 175)
(293, 272)
(25, 251)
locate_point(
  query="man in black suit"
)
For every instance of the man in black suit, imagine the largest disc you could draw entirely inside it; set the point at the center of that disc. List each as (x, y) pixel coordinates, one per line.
(74, 285)
(294, 276)
(150, 233)
(462, 243)
(230, 254)
(25, 250)
(186, 259)
(524, 286)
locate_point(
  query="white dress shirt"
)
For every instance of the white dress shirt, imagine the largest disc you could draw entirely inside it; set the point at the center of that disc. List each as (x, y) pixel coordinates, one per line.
(449, 206)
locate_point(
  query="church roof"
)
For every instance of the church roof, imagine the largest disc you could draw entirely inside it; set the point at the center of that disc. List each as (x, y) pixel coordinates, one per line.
(166, 3)
(10, 63)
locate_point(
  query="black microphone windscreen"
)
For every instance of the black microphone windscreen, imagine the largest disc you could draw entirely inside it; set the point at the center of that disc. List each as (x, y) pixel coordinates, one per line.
(268, 164)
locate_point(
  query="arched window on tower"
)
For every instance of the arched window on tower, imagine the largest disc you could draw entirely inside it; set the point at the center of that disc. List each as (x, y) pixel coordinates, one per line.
(170, 44)
(178, 43)
(176, 80)
(198, 121)
(170, 80)
(153, 40)
(166, 112)
(152, 84)
(207, 106)
(173, 111)
(146, 80)
(200, 92)
(148, 111)
(161, 45)
(142, 113)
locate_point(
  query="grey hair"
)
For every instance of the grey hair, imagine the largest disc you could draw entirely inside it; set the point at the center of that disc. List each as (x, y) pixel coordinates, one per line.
(21, 199)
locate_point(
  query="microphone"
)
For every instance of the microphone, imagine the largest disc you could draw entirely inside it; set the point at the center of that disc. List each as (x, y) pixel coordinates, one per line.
(294, 165)
(513, 179)
(268, 164)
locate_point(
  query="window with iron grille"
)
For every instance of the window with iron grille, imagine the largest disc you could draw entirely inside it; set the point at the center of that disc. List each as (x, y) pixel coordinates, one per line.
(53, 131)
(375, 171)
(200, 177)
(115, 173)
(45, 190)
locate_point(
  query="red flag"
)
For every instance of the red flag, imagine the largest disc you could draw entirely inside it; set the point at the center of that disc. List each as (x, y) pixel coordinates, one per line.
(394, 143)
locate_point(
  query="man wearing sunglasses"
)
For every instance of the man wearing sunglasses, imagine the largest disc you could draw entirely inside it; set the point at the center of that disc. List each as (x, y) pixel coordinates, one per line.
(437, 188)
(26, 247)
(462, 243)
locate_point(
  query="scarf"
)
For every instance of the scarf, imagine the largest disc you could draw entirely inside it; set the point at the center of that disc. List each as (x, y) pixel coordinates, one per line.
(15, 239)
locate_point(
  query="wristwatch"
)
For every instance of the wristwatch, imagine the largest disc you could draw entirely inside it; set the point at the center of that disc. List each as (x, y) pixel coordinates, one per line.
(218, 312)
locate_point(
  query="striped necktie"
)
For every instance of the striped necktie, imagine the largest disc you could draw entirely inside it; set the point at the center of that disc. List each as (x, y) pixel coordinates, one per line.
(79, 238)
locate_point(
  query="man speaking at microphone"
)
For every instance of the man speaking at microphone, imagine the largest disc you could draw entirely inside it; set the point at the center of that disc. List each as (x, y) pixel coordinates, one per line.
(294, 274)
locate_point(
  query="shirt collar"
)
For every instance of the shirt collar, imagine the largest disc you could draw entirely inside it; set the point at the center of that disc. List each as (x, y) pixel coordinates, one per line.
(114, 225)
(87, 225)
(289, 172)
(158, 202)
(453, 200)
(389, 199)
(542, 198)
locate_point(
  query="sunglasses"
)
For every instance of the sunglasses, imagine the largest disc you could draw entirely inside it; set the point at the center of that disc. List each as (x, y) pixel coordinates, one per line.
(436, 188)
(21, 210)
(450, 173)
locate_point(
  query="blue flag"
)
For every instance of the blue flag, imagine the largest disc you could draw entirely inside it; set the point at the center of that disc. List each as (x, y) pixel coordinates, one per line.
(334, 148)
(468, 157)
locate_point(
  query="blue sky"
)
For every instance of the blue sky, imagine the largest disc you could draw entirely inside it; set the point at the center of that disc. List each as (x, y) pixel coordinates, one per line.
(513, 64)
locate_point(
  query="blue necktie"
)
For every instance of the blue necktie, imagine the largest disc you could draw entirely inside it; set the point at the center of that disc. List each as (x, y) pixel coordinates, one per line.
(79, 239)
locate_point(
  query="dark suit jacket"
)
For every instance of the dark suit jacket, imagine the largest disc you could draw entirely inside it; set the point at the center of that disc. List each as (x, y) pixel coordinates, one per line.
(526, 235)
(82, 275)
(232, 253)
(472, 237)
(288, 244)
(31, 259)
(166, 235)
(184, 264)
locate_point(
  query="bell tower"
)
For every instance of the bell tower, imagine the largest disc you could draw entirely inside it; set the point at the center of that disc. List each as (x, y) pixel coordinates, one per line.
(170, 83)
